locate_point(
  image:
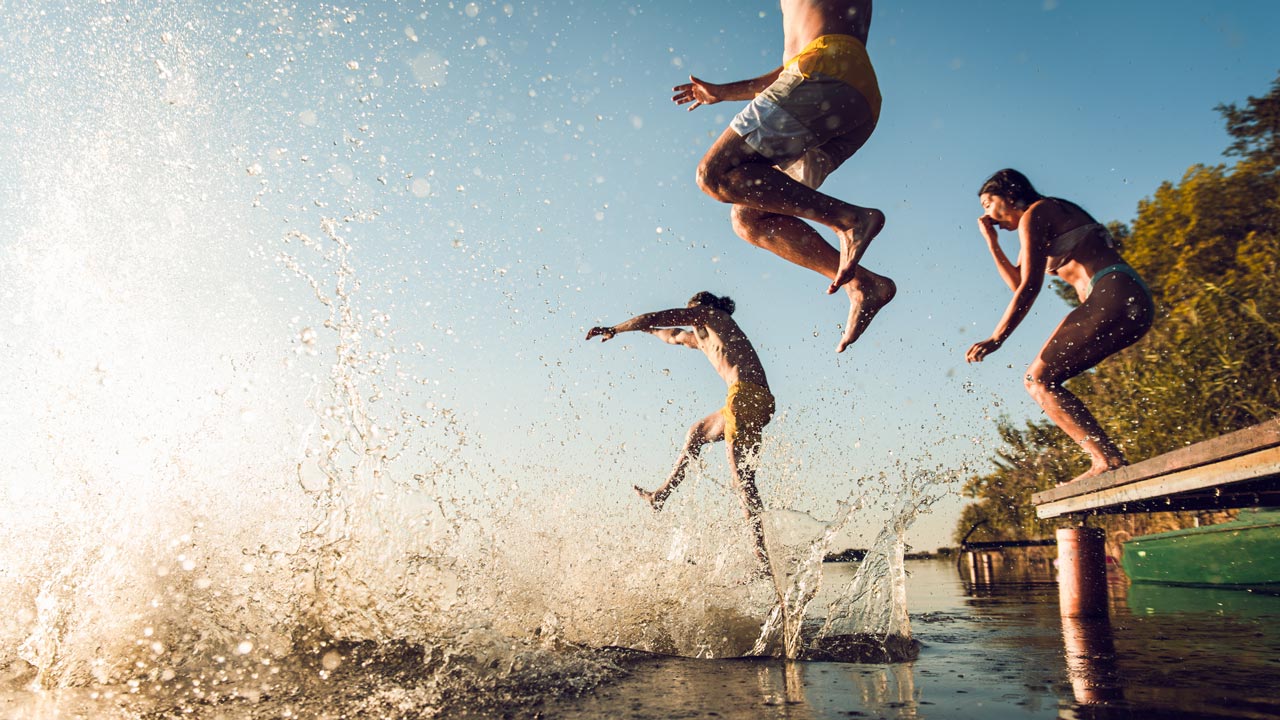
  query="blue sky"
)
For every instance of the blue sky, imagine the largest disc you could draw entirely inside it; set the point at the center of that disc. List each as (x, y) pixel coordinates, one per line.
(1095, 102)
(525, 176)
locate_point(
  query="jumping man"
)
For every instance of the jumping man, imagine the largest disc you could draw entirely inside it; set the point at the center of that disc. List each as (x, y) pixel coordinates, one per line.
(805, 119)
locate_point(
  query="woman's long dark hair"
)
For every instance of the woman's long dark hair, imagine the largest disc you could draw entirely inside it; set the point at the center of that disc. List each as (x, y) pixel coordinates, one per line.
(1011, 185)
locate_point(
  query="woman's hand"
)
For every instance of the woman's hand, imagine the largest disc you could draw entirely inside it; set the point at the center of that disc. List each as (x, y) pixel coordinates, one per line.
(606, 333)
(698, 92)
(987, 226)
(982, 349)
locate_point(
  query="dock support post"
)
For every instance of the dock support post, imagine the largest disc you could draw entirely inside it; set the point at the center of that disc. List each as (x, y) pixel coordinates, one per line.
(1082, 572)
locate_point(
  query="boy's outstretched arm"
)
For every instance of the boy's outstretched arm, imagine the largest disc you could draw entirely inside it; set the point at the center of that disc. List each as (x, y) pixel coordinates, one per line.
(674, 317)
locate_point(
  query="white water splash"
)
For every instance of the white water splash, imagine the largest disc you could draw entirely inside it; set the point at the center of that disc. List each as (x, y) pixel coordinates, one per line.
(231, 478)
(874, 603)
(872, 607)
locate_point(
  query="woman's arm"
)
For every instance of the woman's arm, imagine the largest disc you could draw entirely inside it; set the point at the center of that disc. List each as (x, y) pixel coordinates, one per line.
(1008, 271)
(1029, 282)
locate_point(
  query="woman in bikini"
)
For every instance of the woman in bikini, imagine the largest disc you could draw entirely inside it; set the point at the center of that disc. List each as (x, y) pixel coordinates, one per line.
(1056, 236)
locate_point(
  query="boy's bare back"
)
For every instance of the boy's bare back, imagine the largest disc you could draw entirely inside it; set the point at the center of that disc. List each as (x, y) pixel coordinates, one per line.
(727, 348)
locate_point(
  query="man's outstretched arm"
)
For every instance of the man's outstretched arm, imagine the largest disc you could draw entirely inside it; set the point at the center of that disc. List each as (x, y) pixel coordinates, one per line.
(698, 92)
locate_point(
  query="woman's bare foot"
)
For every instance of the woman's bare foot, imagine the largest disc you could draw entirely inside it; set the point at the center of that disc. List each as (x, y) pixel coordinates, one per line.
(865, 300)
(1097, 469)
(650, 497)
(853, 243)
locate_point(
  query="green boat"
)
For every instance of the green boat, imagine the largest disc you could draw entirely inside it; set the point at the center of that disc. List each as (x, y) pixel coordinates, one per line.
(1242, 554)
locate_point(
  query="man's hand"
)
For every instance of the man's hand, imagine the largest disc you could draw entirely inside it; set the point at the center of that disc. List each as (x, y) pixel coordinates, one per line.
(982, 349)
(987, 226)
(697, 92)
(606, 333)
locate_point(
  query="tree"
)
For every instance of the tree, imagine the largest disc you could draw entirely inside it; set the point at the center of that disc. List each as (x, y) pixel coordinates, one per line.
(1255, 127)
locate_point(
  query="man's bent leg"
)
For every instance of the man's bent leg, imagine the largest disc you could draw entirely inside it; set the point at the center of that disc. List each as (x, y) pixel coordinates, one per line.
(796, 241)
(733, 172)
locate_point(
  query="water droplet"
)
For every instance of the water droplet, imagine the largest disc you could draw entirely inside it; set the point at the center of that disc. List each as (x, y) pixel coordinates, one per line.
(331, 660)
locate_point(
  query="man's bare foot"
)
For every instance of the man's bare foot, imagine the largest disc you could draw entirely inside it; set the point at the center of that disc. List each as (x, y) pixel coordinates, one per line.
(650, 497)
(865, 300)
(853, 243)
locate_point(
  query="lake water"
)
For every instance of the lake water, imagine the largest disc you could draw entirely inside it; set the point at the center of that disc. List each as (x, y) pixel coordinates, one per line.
(994, 651)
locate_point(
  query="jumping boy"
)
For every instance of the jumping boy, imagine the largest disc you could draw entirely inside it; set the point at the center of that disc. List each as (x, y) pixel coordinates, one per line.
(747, 409)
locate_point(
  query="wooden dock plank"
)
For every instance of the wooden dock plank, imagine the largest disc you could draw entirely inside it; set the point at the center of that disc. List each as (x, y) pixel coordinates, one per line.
(1197, 473)
(1262, 463)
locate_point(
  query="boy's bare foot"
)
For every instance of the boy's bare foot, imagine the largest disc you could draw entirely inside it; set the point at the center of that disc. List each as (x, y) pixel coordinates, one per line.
(853, 243)
(652, 498)
(865, 300)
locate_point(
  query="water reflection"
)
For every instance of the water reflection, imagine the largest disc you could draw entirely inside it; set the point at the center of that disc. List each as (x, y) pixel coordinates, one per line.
(1142, 599)
(1163, 652)
(820, 689)
(1014, 566)
(1088, 646)
(1091, 660)
(666, 687)
(996, 651)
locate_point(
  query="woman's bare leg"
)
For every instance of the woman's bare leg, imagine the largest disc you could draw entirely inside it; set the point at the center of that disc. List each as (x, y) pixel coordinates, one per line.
(1106, 323)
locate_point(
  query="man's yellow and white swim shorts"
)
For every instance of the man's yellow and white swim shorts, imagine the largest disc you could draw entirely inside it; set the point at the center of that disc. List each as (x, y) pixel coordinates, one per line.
(748, 409)
(819, 111)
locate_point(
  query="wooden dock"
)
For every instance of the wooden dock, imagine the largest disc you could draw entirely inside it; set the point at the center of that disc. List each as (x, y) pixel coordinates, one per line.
(1239, 469)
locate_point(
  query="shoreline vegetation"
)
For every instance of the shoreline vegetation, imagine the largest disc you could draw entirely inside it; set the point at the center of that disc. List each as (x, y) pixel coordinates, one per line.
(857, 554)
(1209, 247)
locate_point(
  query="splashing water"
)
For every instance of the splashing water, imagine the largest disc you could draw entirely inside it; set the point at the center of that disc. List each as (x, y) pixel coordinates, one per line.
(871, 611)
(797, 546)
(868, 621)
(232, 478)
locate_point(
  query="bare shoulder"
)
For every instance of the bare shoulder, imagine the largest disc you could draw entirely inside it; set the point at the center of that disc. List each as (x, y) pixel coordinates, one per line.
(1042, 216)
(728, 330)
(715, 319)
(1068, 210)
(705, 314)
